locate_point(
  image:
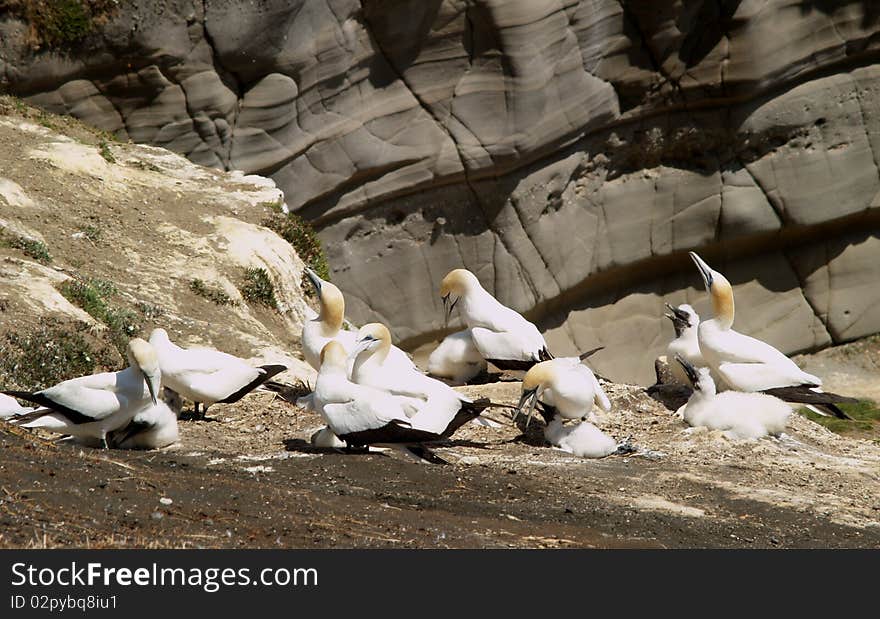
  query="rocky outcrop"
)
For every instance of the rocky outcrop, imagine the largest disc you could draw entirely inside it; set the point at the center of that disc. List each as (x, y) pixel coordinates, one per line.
(101, 241)
(568, 152)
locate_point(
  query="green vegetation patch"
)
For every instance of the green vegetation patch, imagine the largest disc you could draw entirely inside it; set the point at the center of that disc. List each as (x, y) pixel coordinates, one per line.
(212, 293)
(59, 23)
(91, 296)
(865, 417)
(30, 247)
(258, 288)
(297, 231)
(106, 153)
(50, 352)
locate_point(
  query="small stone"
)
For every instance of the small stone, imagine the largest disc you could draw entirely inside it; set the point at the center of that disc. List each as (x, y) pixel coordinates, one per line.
(165, 501)
(157, 515)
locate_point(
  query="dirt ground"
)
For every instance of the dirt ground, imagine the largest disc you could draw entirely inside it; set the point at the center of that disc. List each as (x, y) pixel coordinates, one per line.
(248, 477)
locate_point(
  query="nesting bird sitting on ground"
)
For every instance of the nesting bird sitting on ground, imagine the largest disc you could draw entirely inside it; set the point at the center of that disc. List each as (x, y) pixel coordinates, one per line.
(363, 416)
(747, 364)
(430, 404)
(501, 335)
(456, 358)
(207, 376)
(327, 326)
(96, 405)
(737, 414)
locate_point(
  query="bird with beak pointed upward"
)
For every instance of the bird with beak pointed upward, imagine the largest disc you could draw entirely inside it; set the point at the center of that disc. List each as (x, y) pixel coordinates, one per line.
(503, 337)
(685, 321)
(430, 404)
(747, 364)
(93, 406)
(327, 326)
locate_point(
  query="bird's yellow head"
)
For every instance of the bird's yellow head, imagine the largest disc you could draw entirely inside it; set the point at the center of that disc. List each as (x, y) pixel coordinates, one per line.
(719, 290)
(333, 355)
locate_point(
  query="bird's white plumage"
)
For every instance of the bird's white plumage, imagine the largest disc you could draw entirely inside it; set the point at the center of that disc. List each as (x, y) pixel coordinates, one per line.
(110, 399)
(581, 439)
(686, 345)
(573, 389)
(153, 427)
(739, 415)
(498, 332)
(9, 407)
(456, 358)
(314, 338)
(347, 407)
(325, 439)
(201, 374)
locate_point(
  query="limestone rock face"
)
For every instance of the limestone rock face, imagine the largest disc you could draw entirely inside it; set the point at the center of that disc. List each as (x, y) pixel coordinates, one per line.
(569, 152)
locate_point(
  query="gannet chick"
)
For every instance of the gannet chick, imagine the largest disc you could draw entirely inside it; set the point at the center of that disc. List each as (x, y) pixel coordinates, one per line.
(152, 427)
(456, 358)
(430, 404)
(501, 335)
(562, 386)
(685, 321)
(748, 364)
(93, 406)
(738, 414)
(361, 416)
(582, 439)
(207, 376)
(327, 326)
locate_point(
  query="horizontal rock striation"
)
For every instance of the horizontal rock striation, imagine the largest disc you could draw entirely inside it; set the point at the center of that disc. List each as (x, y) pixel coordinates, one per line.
(568, 152)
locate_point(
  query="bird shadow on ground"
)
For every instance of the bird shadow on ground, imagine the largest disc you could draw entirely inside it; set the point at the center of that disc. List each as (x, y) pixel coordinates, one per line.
(191, 416)
(670, 396)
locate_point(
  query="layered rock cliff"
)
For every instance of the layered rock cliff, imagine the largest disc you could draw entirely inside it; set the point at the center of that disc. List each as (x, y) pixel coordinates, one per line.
(568, 152)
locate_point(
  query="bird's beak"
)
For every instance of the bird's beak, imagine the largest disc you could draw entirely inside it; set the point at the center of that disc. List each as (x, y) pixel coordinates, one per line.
(680, 320)
(705, 269)
(362, 345)
(448, 306)
(689, 370)
(153, 387)
(590, 353)
(532, 396)
(313, 277)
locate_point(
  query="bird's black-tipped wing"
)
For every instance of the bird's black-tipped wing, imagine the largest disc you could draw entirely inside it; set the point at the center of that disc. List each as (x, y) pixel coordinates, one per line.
(803, 394)
(511, 364)
(75, 417)
(268, 372)
(468, 411)
(392, 432)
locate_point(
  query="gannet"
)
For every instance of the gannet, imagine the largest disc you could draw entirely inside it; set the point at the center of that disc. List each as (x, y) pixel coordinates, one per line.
(359, 415)
(456, 358)
(207, 376)
(685, 322)
(562, 386)
(737, 414)
(582, 439)
(501, 335)
(92, 406)
(748, 364)
(327, 326)
(430, 404)
(152, 427)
